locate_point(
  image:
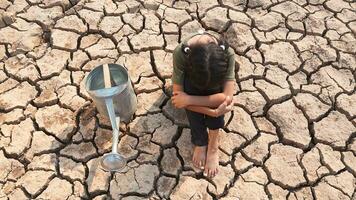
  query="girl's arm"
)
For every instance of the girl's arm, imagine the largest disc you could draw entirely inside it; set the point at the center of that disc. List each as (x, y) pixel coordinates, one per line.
(200, 109)
(221, 109)
(203, 110)
(212, 101)
(177, 88)
(229, 88)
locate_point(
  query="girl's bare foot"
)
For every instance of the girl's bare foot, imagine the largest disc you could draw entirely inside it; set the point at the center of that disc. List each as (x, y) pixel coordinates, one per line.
(199, 156)
(212, 160)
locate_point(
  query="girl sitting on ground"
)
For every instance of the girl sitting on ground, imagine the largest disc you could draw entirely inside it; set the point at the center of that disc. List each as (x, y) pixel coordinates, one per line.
(203, 83)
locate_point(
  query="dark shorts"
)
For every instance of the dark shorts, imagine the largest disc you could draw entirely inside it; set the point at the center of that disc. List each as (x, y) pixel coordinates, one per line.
(199, 123)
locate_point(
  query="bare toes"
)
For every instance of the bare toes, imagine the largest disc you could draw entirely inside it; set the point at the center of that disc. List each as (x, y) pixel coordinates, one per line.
(215, 172)
(205, 172)
(202, 164)
(194, 162)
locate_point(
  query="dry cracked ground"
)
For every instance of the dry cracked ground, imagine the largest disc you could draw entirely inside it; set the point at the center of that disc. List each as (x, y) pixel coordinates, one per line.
(291, 134)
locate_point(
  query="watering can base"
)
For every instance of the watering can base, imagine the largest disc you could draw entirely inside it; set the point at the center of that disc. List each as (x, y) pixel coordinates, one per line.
(113, 162)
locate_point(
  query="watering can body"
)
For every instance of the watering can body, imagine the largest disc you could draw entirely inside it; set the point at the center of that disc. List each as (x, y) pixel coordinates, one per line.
(122, 93)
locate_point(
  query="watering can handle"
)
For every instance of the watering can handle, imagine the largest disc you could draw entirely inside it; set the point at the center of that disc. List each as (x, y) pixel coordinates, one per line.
(106, 73)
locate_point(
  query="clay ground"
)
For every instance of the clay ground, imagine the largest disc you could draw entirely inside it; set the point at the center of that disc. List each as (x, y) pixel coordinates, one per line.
(291, 134)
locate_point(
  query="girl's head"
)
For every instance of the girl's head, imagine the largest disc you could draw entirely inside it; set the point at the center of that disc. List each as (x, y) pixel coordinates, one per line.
(207, 61)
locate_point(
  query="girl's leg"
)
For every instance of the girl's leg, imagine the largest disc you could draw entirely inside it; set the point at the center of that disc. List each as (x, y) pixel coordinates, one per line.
(212, 160)
(199, 136)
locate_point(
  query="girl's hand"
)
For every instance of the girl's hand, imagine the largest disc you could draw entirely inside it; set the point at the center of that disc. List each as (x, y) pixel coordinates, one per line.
(180, 99)
(225, 107)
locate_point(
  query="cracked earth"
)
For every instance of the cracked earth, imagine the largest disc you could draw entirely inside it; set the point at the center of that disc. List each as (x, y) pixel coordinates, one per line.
(291, 134)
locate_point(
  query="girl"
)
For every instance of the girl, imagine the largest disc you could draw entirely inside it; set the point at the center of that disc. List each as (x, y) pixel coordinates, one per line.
(203, 83)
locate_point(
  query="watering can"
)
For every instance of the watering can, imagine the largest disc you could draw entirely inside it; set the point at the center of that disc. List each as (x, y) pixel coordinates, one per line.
(110, 88)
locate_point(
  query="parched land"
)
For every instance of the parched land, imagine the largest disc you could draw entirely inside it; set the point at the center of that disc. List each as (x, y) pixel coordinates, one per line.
(291, 134)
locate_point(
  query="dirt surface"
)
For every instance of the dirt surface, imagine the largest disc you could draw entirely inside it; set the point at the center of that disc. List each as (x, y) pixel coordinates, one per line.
(291, 134)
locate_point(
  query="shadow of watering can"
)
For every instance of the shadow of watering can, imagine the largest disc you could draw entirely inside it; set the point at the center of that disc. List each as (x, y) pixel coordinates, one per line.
(110, 88)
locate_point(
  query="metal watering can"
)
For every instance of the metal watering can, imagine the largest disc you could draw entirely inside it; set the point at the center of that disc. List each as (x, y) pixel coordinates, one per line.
(110, 88)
